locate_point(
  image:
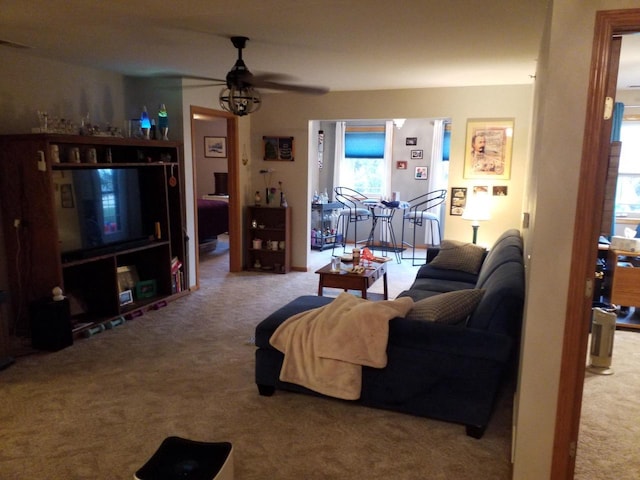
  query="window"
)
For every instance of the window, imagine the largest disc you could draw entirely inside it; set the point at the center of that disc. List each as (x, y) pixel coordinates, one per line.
(628, 186)
(364, 163)
(110, 207)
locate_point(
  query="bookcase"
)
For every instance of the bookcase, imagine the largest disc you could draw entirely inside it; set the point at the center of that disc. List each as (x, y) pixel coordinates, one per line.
(268, 239)
(79, 212)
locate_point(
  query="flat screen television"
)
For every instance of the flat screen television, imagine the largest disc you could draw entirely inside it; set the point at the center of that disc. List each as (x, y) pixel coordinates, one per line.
(99, 211)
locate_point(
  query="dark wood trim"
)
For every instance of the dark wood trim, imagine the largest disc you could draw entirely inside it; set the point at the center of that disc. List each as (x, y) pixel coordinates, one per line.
(586, 229)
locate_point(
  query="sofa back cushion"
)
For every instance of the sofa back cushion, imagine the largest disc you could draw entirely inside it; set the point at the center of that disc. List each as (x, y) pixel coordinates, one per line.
(507, 248)
(455, 255)
(451, 307)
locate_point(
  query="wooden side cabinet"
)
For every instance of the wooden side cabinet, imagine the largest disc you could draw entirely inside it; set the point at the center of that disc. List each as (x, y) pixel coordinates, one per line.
(78, 211)
(268, 239)
(625, 282)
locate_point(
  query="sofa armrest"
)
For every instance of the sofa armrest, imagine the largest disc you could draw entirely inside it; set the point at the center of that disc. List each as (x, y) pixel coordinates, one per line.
(454, 340)
(431, 253)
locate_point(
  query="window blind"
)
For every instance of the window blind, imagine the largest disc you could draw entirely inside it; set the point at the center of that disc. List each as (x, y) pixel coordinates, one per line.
(365, 142)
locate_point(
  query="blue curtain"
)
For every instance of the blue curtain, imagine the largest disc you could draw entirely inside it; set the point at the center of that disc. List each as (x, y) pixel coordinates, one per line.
(618, 113)
(446, 142)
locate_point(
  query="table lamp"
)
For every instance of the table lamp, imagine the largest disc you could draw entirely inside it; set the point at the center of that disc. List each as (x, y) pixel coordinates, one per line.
(478, 209)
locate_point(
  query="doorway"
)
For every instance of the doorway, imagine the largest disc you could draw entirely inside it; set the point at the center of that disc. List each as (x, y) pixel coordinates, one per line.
(590, 197)
(202, 114)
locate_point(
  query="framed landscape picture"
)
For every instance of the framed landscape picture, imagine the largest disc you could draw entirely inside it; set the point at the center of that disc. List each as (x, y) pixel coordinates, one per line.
(215, 147)
(488, 149)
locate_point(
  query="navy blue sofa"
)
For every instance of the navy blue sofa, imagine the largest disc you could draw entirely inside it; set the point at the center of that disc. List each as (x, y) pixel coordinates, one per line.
(447, 372)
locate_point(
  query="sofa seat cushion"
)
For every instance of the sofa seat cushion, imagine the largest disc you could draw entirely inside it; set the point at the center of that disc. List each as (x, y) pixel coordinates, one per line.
(450, 307)
(265, 329)
(429, 271)
(436, 285)
(455, 255)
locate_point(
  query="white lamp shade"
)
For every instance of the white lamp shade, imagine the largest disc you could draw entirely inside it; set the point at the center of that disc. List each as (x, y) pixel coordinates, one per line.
(478, 208)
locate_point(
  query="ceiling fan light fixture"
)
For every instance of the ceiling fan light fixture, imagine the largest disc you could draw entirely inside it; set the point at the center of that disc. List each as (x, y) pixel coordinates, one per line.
(240, 101)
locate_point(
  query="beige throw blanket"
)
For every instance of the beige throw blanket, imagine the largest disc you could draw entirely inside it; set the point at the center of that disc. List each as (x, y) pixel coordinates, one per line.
(325, 348)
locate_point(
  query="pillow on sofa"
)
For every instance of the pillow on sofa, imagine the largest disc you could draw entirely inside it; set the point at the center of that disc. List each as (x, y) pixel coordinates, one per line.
(450, 307)
(455, 255)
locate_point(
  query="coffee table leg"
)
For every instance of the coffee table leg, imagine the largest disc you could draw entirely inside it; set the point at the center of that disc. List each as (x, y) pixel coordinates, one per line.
(320, 285)
(386, 289)
(363, 289)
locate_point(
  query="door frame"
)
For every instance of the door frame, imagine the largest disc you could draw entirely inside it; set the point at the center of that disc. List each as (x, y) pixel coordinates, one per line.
(233, 185)
(595, 150)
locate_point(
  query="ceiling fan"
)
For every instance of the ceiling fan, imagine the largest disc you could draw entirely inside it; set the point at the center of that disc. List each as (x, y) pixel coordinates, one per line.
(240, 96)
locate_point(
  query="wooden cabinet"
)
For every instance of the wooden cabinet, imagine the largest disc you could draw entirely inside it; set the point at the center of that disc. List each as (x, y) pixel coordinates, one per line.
(268, 239)
(77, 209)
(625, 283)
(324, 220)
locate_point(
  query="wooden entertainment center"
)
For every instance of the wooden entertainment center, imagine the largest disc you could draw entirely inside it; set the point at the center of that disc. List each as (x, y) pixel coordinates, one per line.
(80, 211)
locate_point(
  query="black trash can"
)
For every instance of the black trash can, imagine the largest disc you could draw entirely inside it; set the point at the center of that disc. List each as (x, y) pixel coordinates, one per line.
(50, 324)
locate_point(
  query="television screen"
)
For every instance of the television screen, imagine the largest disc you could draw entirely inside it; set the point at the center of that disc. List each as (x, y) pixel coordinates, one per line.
(99, 208)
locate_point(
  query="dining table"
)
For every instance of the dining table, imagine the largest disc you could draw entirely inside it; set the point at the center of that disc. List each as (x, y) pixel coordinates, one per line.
(382, 212)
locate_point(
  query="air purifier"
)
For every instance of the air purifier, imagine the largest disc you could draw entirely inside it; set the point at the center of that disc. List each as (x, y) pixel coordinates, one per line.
(603, 330)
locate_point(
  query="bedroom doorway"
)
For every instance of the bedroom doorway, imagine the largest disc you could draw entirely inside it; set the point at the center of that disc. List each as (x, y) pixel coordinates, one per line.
(209, 123)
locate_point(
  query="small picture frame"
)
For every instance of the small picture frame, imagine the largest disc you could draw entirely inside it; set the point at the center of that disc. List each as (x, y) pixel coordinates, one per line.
(416, 154)
(421, 173)
(401, 165)
(126, 297)
(411, 141)
(215, 147)
(146, 289)
(127, 277)
(458, 201)
(278, 149)
(500, 190)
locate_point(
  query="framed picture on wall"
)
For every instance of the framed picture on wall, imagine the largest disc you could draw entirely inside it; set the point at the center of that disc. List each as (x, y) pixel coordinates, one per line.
(215, 147)
(458, 201)
(278, 149)
(421, 173)
(401, 165)
(488, 149)
(416, 154)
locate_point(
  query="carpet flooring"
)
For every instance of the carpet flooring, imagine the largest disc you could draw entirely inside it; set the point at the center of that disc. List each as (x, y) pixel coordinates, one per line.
(100, 408)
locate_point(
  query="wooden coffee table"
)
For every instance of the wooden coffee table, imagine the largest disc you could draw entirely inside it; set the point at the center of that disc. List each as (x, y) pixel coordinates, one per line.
(353, 281)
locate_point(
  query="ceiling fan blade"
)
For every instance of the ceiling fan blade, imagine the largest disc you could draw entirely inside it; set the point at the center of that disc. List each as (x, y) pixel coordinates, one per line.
(308, 89)
(218, 81)
(180, 76)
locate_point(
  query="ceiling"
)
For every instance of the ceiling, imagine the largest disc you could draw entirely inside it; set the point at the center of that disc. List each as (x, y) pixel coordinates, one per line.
(342, 45)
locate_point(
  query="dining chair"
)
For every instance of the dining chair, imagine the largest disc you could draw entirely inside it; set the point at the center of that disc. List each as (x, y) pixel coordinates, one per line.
(354, 211)
(417, 214)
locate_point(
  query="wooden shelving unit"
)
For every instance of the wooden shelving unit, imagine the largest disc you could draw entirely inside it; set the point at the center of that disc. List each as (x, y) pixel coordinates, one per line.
(48, 204)
(268, 225)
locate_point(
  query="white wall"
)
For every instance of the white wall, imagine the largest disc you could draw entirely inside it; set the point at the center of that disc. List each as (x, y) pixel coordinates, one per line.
(562, 84)
(29, 84)
(289, 115)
